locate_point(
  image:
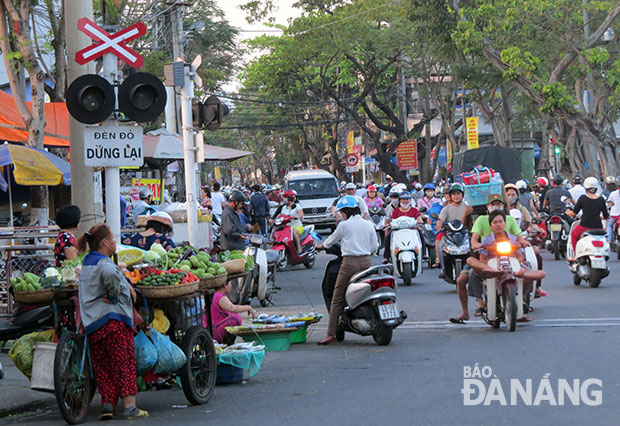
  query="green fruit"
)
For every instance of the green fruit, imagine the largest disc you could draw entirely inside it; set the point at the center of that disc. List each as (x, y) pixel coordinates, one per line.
(185, 268)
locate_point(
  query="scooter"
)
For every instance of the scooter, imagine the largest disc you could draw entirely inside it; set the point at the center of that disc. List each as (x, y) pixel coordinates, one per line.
(503, 296)
(377, 215)
(615, 239)
(371, 308)
(455, 250)
(591, 254)
(406, 249)
(260, 283)
(26, 319)
(283, 243)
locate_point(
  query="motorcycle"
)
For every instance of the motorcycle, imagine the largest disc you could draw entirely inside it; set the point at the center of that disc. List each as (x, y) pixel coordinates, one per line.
(406, 249)
(503, 296)
(260, 283)
(591, 254)
(615, 238)
(456, 248)
(377, 215)
(26, 319)
(371, 307)
(428, 235)
(557, 234)
(283, 243)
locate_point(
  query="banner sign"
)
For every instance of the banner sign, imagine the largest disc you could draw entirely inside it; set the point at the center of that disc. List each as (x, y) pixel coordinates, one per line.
(472, 132)
(407, 155)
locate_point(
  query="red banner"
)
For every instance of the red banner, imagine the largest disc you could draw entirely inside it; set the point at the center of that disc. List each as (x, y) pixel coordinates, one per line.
(407, 155)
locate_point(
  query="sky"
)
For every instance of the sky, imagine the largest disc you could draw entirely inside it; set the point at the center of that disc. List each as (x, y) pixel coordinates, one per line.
(236, 17)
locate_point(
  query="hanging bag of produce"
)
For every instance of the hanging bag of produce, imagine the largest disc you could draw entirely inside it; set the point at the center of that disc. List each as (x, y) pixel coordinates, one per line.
(146, 353)
(169, 356)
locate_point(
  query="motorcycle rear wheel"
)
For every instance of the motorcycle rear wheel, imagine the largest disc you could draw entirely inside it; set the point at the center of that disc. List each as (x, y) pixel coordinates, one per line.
(383, 336)
(576, 279)
(596, 277)
(556, 250)
(339, 334)
(309, 263)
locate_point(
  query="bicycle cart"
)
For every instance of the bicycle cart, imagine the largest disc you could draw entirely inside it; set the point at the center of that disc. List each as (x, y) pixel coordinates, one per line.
(73, 376)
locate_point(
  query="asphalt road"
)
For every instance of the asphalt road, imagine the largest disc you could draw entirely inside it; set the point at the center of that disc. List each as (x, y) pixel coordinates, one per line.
(418, 379)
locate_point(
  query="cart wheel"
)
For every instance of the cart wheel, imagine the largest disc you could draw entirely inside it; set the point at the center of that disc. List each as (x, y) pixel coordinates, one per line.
(73, 385)
(200, 371)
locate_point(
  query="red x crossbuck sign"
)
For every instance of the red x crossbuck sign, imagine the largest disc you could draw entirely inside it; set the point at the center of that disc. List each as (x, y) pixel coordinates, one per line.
(110, 43)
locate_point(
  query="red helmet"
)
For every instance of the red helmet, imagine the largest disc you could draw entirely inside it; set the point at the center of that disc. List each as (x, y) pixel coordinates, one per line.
(289, 194)
(372, 188)
(542, 181)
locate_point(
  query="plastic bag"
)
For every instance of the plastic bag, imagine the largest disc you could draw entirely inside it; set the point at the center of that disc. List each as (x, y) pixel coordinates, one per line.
(146, 353)
(22, 351)
(160, 322)
(169, 356)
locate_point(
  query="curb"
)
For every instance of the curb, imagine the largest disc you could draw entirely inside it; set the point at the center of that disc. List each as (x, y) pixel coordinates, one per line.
(28, 407)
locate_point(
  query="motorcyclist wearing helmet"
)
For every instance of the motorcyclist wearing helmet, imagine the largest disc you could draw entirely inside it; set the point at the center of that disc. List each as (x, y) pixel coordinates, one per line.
(358, 241)
(526, 199)
(405, 208)
(371, 199)
(553, 199)
(294, 210)
(429, 197)
(593, 206)
(577, 190)
(417, 192)
(351, 190)
(145, 205)
(158, 231)
(611, 184)
(454, 210)
(232, 230)
(613, 203)
(512, 199)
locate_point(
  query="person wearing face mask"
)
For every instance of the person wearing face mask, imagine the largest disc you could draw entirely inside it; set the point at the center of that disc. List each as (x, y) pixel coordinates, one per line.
(454, 210)
(512, 198)
(429, 197)
(232, 229)
(405, 208)
(592, 206)
(526, 199)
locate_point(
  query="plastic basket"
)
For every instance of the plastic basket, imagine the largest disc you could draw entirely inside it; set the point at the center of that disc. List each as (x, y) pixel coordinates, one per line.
(300, 335)
(477, 195)
(228, 374)
(274, 342)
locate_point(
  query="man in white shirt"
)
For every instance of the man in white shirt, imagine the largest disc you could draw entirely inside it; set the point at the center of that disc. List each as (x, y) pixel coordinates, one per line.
(358, 240)
(614, 212)
(350, 189)
(577, 190)
(218, 201)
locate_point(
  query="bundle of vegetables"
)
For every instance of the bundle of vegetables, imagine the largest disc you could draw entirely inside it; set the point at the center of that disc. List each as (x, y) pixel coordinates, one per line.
(70, 269)
(30, 282)
(226, 255)
(201, 265)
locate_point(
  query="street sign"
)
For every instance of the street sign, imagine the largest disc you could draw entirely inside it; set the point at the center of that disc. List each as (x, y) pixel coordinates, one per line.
(110, 43)
(352, 160)
(113, 146)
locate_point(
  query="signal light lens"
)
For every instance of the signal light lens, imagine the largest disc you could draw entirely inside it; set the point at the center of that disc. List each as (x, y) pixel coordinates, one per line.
(503, 247)
(555, 219)
(90, 99)
(379, 283)
(598, 243)
(142, 97)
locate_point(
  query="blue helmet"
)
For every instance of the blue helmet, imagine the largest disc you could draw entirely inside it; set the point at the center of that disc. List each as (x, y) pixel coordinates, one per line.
(348, 201)
(429, 186)
(404, 196)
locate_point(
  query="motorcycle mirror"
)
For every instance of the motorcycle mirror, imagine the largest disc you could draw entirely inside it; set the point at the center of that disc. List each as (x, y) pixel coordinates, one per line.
(435, 216)
(423, 210)
(564, 198)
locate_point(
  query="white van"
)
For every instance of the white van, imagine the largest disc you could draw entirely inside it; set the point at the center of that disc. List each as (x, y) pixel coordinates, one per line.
(316, 192)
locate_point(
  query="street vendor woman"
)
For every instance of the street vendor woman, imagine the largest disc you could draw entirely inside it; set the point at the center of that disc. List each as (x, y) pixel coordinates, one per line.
(224, 314)
(107, 315)
(67, 219)
(158, 230)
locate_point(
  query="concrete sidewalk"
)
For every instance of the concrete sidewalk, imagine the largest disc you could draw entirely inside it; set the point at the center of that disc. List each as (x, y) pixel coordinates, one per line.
(15, 394)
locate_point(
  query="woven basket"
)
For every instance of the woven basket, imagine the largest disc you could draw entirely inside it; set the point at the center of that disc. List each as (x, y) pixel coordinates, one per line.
(237, 276)
(34, 297)
(235, 266)
(214, 282)
(168, 291)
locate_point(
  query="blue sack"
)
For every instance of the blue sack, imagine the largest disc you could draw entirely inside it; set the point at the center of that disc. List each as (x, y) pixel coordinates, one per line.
(146, 354)
(169, 356)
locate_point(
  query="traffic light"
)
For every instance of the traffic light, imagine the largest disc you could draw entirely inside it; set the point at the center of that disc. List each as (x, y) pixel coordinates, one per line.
(91, 99)
(209, 114)
(556, 150)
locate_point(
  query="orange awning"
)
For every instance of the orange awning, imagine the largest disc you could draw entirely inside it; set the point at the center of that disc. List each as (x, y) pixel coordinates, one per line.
(12, 126)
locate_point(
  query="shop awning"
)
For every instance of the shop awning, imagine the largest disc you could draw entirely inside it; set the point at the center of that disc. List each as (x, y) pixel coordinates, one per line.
(12, 126)
(219, 153)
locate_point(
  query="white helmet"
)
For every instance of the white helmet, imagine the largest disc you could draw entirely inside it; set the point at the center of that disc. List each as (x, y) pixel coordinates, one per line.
(591, 182)
(521, 184)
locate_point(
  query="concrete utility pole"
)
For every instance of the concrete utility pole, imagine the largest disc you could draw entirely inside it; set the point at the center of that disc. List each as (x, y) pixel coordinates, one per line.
(84, 181)
(187, 95)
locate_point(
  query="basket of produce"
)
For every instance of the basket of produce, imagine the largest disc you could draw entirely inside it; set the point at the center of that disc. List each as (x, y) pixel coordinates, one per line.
(31, 289)
(158, 284)
(235, 266)
(215, 281)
